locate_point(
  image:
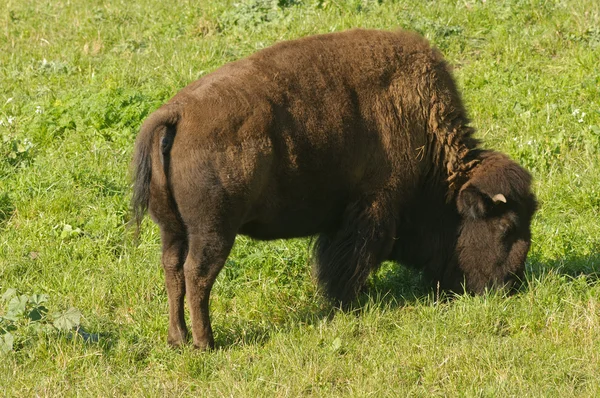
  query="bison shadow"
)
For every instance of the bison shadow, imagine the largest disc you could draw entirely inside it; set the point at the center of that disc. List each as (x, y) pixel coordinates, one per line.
(573, 266)
(394, 286)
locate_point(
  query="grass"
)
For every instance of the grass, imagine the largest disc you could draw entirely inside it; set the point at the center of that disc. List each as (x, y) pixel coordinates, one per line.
(78, 77)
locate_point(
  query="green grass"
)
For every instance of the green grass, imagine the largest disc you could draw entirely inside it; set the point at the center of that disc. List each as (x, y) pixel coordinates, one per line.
(78, 77)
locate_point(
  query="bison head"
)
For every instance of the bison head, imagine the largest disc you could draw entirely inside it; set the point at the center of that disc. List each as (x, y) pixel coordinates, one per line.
(496, 206)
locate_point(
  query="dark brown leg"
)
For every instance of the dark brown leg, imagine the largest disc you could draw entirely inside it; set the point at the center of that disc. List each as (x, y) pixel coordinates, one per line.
(174, 249)
(206, 256)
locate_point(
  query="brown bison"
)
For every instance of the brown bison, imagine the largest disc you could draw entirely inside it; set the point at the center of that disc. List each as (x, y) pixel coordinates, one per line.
(358, 137)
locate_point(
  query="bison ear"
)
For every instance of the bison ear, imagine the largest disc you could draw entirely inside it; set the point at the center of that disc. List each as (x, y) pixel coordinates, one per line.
(471, 202)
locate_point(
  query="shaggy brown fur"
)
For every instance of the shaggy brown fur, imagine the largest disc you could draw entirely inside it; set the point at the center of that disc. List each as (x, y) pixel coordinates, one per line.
(359, 137)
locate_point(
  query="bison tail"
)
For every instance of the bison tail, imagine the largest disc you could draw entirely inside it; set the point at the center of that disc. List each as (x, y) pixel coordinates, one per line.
(163, 120)
(344, 258)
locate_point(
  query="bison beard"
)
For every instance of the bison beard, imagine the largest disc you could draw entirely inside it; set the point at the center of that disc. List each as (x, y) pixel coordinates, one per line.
(358, 137)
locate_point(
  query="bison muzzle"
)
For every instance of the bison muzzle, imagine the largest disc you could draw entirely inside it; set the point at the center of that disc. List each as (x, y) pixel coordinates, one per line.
(357, 137)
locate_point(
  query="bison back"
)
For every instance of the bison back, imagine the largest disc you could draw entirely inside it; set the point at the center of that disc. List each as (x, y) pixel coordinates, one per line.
(294, 133)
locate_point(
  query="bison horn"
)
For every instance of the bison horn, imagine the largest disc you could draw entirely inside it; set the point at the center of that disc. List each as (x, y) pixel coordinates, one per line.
(499, 198)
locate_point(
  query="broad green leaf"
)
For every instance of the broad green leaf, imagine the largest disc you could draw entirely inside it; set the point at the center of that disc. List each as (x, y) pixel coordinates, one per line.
(69, 232)
(67, 320)
(9, 294)
(37, 299)
(6, 343)
(16, 305)
(66, 232)
(37, 313)
(336, 344)
(11, 317)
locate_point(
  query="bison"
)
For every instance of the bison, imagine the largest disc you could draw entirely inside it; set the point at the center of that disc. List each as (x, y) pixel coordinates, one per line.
(358, 137)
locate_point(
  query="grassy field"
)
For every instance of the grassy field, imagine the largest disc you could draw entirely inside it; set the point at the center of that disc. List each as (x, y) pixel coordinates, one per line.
(77, 77)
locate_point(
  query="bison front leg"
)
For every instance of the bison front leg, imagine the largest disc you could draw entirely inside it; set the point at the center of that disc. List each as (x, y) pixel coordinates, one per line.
(174, 248)
(344, 257)
(206, 256)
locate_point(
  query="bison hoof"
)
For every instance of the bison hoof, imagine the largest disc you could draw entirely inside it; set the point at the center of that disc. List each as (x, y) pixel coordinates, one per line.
(177, 339)
(205, 345)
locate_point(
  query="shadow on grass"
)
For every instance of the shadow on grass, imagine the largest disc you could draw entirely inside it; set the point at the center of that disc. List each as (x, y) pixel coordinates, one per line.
(245, 332)
(573, 266)
(393, 286)
(398, 286)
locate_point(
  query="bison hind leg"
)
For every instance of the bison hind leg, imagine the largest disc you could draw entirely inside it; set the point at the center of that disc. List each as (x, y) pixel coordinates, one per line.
(344, 257)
